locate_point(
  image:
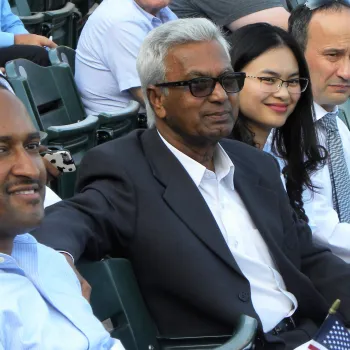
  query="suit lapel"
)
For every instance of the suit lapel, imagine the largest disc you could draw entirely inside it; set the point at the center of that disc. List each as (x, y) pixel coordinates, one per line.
(261, 202)
(183, 196)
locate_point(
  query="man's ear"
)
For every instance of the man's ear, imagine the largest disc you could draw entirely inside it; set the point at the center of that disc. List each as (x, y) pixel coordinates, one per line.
(156, 99)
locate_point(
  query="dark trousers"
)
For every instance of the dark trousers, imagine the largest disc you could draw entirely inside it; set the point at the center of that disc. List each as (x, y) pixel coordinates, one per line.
(36, 54)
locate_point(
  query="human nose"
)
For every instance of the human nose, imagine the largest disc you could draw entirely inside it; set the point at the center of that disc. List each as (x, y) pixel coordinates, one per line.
(344, 69)
(26, 165)
(219, 94)
(282, 90)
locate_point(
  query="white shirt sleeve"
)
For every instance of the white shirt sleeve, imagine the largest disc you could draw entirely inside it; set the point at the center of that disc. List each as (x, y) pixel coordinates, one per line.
(120, 53)
(50, 197)
(323, 219)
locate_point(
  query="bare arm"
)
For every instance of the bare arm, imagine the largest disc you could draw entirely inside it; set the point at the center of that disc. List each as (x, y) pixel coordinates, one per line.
(277, 16)
(33, 39)
(137, 95)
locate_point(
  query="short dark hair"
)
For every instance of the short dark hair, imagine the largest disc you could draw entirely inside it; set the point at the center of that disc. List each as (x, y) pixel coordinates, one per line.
(299, 20)
(296, 141)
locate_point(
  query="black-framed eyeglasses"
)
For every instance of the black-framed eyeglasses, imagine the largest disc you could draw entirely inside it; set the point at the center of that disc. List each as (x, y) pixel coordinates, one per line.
(315, 4)
(273, 84)
(204, 86)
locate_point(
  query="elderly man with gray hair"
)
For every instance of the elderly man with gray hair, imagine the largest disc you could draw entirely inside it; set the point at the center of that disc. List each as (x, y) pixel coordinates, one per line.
(205, 221)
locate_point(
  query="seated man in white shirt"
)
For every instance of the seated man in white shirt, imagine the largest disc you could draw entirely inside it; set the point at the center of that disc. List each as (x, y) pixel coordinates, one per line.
(107, 49)
(322, 29)
(41, 306)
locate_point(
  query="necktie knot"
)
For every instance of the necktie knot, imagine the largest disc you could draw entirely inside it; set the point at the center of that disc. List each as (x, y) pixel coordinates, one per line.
(329, 121)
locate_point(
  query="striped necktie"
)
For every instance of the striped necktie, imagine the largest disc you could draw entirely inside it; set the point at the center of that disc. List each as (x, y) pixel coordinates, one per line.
(338, 169)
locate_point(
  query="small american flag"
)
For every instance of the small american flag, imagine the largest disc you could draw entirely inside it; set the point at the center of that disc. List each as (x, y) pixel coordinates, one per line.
(332, 335)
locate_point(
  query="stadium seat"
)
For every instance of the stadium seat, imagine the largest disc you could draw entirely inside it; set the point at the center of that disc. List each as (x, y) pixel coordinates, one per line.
(50, 95)
(112, 125)
(63, 54)
(32, 21)
(116, 296)
(62, 24)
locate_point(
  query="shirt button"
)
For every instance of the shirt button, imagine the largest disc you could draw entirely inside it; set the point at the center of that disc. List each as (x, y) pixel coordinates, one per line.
(2, 259)
(244, 296)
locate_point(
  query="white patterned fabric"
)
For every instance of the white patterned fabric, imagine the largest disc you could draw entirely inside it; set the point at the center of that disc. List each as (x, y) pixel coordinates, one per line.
(338, 170)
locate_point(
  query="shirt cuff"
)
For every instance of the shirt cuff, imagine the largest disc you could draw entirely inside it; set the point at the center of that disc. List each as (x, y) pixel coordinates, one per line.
(69, 254)
(6, 39)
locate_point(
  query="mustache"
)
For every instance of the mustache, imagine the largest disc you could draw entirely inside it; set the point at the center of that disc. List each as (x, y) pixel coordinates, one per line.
(23, 181)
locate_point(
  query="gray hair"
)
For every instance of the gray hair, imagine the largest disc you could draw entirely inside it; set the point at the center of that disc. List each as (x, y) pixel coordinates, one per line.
(150, 61)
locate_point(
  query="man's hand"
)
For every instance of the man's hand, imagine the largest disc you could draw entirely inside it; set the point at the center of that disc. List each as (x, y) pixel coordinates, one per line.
(33, 39)
(52, 172)
(85, 287)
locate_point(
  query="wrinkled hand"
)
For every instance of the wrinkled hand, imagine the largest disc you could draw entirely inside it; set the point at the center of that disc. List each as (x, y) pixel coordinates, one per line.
(33, 39)
(85, 286)
(52, 172)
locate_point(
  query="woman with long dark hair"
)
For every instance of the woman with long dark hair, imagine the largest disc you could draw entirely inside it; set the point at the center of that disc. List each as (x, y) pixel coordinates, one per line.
(276, 111)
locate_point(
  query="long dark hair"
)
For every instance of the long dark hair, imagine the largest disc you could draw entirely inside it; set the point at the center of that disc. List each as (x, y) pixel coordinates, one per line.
(296, 141)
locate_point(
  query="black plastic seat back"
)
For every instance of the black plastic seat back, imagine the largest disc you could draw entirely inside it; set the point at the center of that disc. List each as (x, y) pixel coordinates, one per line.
(53, 91)
(115, 296)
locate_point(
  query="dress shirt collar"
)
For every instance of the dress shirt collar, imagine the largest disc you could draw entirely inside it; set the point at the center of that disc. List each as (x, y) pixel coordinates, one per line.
(321, 112)
(224, 168)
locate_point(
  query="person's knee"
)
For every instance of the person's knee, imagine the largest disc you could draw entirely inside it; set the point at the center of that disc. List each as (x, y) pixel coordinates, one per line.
(39, 55)
(36, 54)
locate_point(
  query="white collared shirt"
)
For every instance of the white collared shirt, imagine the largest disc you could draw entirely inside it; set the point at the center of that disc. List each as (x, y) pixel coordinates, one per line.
(270, 298)
(324, 220)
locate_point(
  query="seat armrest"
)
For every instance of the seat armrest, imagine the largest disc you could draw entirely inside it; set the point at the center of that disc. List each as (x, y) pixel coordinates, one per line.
(61, 13)
(130, 110)
(244, 335)
(63, 131)
(243, 338)
(35, 18)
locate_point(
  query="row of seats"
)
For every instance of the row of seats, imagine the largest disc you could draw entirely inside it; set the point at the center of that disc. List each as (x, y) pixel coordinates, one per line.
(54, 105)
(63, 24)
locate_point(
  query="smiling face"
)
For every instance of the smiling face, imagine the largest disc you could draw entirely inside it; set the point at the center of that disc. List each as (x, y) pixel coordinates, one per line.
(196, 120)
(328, 57)
(269, 110)
(22, 172)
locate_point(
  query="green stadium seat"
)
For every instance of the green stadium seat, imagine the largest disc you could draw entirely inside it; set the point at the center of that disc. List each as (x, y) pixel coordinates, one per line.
(116, 296)
(62, 24)
(112, 125)
(50, 95)
(63, 54)
(32, 21)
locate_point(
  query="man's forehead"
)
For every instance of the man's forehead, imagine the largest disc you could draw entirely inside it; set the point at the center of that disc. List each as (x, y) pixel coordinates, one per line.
(14, 119)
(330, 28)
(204, 58)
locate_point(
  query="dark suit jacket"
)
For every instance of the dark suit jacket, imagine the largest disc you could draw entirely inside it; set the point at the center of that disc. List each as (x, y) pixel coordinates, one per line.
(136, 201)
